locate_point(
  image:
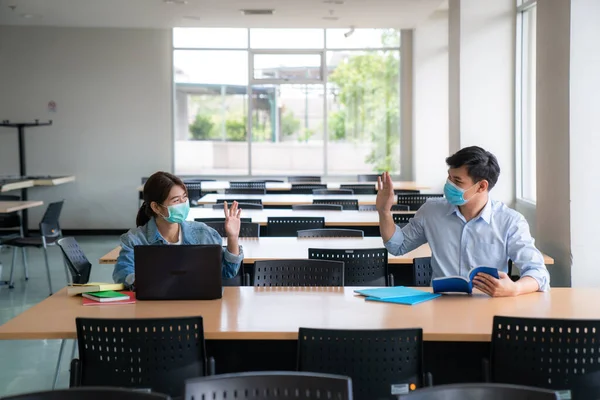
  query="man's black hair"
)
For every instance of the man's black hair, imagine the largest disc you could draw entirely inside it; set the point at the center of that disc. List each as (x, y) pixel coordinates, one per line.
(480, 164)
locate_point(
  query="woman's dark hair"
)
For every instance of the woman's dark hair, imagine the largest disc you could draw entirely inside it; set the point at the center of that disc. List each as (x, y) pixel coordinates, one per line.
(480, 164)
(157, 189)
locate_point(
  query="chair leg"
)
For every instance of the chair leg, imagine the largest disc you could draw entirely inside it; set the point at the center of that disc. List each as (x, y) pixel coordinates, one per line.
(11, 282)
(47, 269)
(25, 264)
(73, 349)
(56, 372)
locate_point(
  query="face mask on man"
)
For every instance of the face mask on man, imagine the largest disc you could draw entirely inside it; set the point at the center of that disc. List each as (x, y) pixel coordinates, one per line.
(456, 195)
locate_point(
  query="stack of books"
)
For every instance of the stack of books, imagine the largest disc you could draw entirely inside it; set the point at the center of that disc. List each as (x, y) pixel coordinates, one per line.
(102, 293)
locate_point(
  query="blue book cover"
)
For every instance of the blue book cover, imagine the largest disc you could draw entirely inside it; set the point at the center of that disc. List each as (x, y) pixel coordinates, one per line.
(390, 292)
(459, 284)
(407, 300)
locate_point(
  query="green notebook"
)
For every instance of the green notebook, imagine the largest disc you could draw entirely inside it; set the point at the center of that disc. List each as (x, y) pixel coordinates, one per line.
(106, 296)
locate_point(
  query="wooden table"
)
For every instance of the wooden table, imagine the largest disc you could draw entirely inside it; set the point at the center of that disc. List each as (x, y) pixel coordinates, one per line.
(52, 180)
(7, 185)
(284, 310)
(287, 186)
(272, 248)
(14, 206)
(332, 218)
(15, 183)
(287, 200)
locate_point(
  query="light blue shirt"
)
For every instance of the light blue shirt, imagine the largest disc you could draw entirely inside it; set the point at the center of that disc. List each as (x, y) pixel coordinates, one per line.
(191, 233)
(491, 239)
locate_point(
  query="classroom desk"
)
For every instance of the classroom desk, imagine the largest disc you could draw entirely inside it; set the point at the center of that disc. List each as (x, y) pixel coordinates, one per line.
(254, 329)
(7, 185)
(287, 200)
(278, 248)
(13, 206)
(210, 186)
(332, 218)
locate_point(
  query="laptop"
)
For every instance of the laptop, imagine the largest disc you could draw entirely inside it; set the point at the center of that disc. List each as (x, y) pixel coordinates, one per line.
(183, 272)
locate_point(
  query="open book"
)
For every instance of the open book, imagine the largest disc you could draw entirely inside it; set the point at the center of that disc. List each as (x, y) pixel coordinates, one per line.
(454, 284)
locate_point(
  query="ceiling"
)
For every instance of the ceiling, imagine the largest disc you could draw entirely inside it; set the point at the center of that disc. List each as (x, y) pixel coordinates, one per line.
(402, 14)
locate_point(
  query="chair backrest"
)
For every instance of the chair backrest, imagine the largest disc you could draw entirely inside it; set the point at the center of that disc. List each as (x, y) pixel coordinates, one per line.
(157, 353)
(317, 207)
(78, 264)
(243, 206)
(375, 360)
(238, 280)
(402, 218)
(269, 386)
(247, 185)
(422, 271)
(10, 220)
(246, 191)
(362, 267)
(289, 226)
(330, 233)
(306, 188)
(298, 273)
(83, 393)
(247, 229)
(406, 191)
(347, 204)
(543, 352)
(361, 189)
(332, 191)
(367, 177)
(367, 207)
(194, 189)
(304, 179)
(239, 200)
(400, 207)
(483, 391)
(49, 226)
(207, 220)
(415, 201)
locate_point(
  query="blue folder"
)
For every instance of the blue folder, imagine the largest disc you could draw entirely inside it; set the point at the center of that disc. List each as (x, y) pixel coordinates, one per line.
(390, 292)
(407, 300)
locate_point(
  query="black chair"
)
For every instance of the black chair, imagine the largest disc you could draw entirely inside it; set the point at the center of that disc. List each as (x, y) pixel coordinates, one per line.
(544, 352)
(269, 386)
(298, 273)
(317, 207)
(402, 219)
(75, 260)
(11, 228)
(207, 220)
(49, 234)
(330, 233)
(332, 191)
(361, 189)
(350, 204)
(247, 185)
(400, 207)
(247, 229)
(239, 200)
(481, 391)
(304, 179)
(375, 360)
(194, 191)
(246, 191)
(422, 271)
(157, 353)
(362, 267)
(306, 188)
(406, 191)
(372, 207)
(97, 393)
(415, 201)
(367, 177)
(241, 279)
(289, 226)
(243, 206)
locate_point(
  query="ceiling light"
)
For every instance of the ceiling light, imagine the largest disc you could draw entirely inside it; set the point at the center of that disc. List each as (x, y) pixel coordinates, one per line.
(338, 2)
(177, 2)
(265, 11)
(350, 32)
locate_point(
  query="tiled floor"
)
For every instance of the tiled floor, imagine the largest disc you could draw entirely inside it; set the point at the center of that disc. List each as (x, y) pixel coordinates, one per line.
(28, 365)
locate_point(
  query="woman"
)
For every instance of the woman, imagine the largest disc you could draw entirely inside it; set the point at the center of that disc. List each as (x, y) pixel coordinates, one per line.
(162, 220)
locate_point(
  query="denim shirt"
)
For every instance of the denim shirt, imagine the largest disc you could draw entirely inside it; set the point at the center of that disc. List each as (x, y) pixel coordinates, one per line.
(191, 232)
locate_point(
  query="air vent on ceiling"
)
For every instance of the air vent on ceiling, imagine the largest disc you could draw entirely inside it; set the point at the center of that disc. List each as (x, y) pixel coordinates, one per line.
(265, 11)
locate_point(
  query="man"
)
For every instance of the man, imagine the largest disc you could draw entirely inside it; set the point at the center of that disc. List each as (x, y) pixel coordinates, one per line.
(467, 229)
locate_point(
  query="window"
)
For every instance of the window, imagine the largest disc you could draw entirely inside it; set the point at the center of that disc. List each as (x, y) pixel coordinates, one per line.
(525, 102)
(286, 101)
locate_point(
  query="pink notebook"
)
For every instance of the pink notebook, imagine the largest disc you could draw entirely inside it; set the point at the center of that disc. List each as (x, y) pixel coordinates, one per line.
(90, 302)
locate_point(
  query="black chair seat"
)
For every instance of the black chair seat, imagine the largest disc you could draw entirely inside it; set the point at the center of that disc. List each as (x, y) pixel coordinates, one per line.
(34, 241)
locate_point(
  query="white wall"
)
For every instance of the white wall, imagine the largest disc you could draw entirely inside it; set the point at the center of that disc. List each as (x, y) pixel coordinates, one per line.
(430, 98)
(486, 82)
(113, 123)
(584, 146)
